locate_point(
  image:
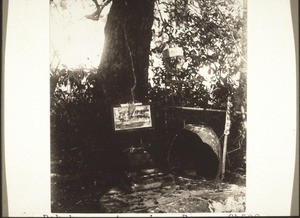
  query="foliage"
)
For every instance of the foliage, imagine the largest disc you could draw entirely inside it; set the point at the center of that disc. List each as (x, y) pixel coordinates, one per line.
(213, 40)
(212, 35)
(73, 112)
(74, 85)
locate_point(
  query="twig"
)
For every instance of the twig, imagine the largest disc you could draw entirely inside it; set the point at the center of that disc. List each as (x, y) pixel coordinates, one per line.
(236, 149)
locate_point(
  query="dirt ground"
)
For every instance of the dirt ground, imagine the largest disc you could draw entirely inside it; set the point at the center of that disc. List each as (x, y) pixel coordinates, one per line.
(184, 195)
(161, 195)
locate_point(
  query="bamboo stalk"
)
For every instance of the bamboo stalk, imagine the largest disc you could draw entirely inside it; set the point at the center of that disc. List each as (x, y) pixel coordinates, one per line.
(224, 156)
(226, 133)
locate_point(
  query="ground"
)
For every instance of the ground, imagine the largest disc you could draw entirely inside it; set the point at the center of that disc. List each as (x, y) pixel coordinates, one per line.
(173, 195)
(183, 196)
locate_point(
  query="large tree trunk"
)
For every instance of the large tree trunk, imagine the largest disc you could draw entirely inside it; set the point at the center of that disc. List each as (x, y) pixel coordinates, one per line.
(127, 43)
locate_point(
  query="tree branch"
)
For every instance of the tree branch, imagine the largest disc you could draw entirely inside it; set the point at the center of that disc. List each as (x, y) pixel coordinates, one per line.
(104, 5)
(96, 3)
(97, 13)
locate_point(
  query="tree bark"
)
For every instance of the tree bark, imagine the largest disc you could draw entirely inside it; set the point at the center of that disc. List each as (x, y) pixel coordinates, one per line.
(125, 59)
(127, 42)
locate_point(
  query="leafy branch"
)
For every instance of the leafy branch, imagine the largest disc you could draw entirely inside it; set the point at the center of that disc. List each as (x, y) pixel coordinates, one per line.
(231, 34)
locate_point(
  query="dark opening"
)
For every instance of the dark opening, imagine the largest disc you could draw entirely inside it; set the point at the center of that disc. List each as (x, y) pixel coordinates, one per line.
(190, 156)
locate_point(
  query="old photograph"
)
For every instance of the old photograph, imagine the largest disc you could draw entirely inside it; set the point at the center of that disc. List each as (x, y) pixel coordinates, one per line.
(130, 117)
(148, 106)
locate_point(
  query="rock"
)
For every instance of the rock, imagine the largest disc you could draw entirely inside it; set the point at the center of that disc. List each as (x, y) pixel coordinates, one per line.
(150, 171)
(217, 207)
(142, 187)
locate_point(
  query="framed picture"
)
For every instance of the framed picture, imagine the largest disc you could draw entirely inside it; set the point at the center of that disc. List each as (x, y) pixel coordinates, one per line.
(131, 117)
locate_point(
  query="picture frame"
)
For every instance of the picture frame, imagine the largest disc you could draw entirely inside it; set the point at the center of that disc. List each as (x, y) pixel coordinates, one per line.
(132, 117)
